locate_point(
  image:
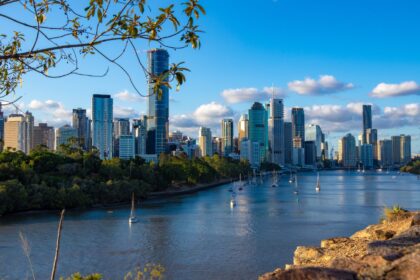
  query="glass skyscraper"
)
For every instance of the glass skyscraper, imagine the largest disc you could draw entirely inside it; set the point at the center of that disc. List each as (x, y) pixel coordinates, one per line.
(367, 124)
(258, 128)
(158, 104)
(102, 116)
(298, 127)
(227, 137)
(82, 123)
(276, 130)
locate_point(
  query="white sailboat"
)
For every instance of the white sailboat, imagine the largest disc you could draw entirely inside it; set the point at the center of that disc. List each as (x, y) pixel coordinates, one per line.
(318, 184)
(292, 179)
(232, 201)
(133, 219)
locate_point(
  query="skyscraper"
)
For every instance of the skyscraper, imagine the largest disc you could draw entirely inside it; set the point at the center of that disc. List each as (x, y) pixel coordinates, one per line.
(102, 116)
(44, 135)
(310, 153)
(314, 133)
(158, 103)
(366, 155)
(18, 132)
(82, 124)
(367, 123)
(64, 135)
(121, 126)
(347, 151)
(140, 134)
(227, 137)
(126, 146)
(405, 148)
(385, 153)
(396, 149)
(288, 143)
(298, 127)
(258, 128)
(205, 141)
(276, 130)
(242, 128)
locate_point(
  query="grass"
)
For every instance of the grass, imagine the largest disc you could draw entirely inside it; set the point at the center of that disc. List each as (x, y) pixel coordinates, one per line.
(394, 213)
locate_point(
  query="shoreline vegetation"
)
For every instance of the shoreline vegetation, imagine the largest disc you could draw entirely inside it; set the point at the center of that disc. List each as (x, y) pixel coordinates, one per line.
(73, 179)
(413, 167)
(387, 250)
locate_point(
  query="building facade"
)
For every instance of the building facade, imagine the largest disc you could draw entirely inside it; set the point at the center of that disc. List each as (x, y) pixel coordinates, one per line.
(405, 148)
(227, 137)
(242, 128)
(82, 123)
(385, 153)
(102, 117)
(205, 141)
(44, 135)
(367, 123)
(276, 131)
(298, 127)
(18, 132)
(126, 147)
(314, 133)
(64, 135)
(288, 143)
(121, 127)
(140, 135)
(347, 151)
(258, 128)
(366, 155)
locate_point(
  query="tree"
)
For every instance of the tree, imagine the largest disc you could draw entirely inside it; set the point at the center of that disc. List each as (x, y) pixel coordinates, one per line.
(44, 34)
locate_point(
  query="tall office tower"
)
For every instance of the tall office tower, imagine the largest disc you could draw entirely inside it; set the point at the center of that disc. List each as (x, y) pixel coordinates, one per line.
(385, 153)
(371, 135)
(126, 146)
(310, 153)
(276, 130)
(121, 126)
(405, 148)
(366, 155)
(82, 124)
(258, 128)
(314, 133)
(288, 143)
(250, 151)
(367, 123)
(18, 132)
(1, 129)
(158, 105)
(298, 127)
(44, 136)
(396, 149)
(347, 151)
(205, 141)
(102, 116)
(140, 135)
(242, 128)
(65, 135)
(227, 137)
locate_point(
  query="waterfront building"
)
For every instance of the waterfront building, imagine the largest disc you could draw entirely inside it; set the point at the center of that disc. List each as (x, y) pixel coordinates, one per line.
(250, 151)
(258, 128)
(288, 143)
(140, 135)
(205, 141)
(126, 146)
(310, 153)
(347, 151)
(158, 103)
(82, 123)
(276, 130)
(405, 148)
(366, 155)
(367, 123)
(121, 126)
(227, 137)
(385, 153)
(298, 156)
(298, 127)
(314, 133)
(396, 150)
(102, 116)
(242, 128)
(18, 132)
(44, 135)
(65, 135)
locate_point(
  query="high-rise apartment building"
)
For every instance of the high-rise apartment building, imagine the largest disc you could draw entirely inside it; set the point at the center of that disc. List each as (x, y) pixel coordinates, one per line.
(242, 128)
(276, 130)
(396, 149)
(65, 135)
(121, 126)
(314, 133)
(140, 135)
(158, 103)
(205, 141)
(385, 153)
(44, 135)
(18, 132)
(367, 124)
(366, 155)
(405, 148)
(82, 124)
(298, 127)
(288, 143)
(102, 116)
(347, 151)
(258, 128)
(126, 146)
(227, 137)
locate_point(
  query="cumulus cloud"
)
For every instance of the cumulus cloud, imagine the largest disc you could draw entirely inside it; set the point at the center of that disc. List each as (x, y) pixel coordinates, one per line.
(241, 95)
(125, 112)
(128, 96)
(44, 105)
(326, 84)
(383, 90)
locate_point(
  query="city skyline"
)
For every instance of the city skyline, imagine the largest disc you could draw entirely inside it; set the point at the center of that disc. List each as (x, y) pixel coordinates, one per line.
(328, 71)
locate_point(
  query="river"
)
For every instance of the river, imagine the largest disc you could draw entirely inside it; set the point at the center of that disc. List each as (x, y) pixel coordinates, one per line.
(199, 236)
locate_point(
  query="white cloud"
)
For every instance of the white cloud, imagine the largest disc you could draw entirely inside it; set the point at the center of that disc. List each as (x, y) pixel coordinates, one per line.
(383, 90)
(125, 112)
(240, 95)
(44, 105)
(326, 84)
(128, 96)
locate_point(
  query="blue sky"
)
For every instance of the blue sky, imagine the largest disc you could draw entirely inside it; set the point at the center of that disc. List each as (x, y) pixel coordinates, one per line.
(325, 55)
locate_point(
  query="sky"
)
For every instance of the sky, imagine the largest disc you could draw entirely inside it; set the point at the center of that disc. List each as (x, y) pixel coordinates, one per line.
(327, 56)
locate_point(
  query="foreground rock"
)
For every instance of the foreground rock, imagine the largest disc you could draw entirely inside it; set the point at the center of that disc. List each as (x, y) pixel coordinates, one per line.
(389, 250)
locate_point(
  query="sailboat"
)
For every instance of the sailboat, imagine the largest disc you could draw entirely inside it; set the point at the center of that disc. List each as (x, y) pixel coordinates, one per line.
(133, 219)
(292, 179)
(232, 201)
(318, 184)
(275, 179)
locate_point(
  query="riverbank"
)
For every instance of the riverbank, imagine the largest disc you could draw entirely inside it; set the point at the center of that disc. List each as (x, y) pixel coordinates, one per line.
(388, 250)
